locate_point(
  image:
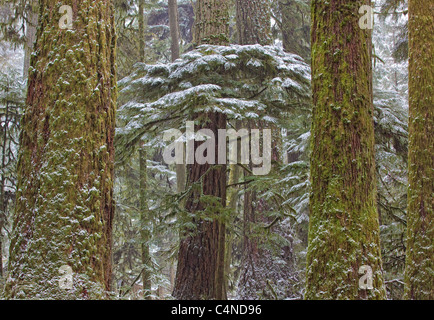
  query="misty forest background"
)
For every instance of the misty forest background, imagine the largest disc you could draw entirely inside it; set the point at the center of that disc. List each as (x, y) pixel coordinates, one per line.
(85, 186)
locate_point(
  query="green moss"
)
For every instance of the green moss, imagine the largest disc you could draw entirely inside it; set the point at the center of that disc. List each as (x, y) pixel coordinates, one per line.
(64, 206)
(419, 275)
(344, 227)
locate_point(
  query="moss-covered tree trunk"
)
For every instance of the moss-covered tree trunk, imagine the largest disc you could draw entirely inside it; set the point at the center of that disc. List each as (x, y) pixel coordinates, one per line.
(344, 227)
(419, 276)
(65, 205)
(200, 269)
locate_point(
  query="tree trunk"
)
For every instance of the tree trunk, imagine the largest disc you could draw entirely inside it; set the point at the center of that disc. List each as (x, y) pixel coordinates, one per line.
(198, 272)
(65, 205)
(292, 20)
(144, 212)
(344, 227)
(419, 278)
(144, 227)
(31, 24)
(174, 29)
(3, 203)
(212, 22)
(253, 22)
(141, 30)
(174, 34)
(253, 25)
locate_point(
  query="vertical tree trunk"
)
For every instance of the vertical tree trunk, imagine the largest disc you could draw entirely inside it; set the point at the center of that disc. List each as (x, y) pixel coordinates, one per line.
(344, 227)
(3, 202)
(31, 24)
(144, 212)
(144, 227)
(174, 28)
(419, 278)
(253, 22)
(174, 34)
(65, 205)
(291, 21)
(253, 25)
(200, 272)
(141, 30)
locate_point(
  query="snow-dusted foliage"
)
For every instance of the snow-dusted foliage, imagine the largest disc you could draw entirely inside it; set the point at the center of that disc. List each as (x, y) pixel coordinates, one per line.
(245, 82)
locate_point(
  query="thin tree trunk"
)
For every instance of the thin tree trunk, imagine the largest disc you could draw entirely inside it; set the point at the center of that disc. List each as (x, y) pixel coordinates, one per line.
(174, 33)
(141, 31)
(419, 278)
(144, 212)
(174, 29)
(344, 230)
(3, 205)
(64, 203)
(31, 24)
(144, 227)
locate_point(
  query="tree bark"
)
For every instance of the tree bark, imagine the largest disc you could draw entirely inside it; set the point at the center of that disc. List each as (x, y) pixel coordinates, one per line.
(141, 30)
(145, 221)
(344, 227)
(254, 27)
(174, 29)
(31, 24)
(291, 16)
(253, 22)
(200, 270)
(419, 278)
(3, 203)
(65, 205)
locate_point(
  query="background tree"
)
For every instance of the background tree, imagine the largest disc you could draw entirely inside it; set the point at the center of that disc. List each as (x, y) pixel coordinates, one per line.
(200, 259)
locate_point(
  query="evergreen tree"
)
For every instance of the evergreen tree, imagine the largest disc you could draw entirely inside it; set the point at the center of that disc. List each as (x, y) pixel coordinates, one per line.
(200, 268)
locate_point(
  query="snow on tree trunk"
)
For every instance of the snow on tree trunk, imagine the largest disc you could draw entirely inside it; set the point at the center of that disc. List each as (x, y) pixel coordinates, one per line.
(419, 277)
(344, 227)
(65, 203)
(200, 269)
